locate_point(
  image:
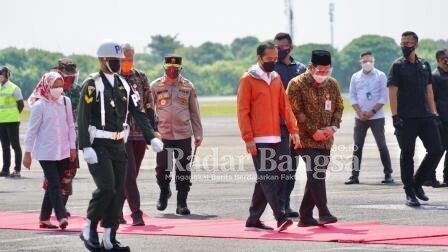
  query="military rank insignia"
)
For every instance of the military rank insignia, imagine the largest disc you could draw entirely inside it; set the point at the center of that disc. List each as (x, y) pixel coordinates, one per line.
(88, 99)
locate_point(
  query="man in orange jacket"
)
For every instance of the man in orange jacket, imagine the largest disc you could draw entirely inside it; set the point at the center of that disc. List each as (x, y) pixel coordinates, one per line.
(261, 102)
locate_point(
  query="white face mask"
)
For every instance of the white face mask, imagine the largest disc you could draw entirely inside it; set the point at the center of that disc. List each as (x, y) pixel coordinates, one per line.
(320, 78)
(367, 67)
(56, 92)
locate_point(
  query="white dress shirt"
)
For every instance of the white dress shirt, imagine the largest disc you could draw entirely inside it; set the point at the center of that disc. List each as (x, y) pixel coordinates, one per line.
(367, 90)
(51, 131)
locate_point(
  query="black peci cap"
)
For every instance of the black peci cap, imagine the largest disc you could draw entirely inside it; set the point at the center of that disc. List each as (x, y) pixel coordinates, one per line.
(321, 58)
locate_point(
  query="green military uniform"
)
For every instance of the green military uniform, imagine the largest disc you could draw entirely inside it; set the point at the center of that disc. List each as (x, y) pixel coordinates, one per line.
(110, 170)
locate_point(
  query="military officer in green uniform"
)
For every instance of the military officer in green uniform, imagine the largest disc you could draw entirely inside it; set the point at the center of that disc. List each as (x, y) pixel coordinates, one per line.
(106, 100)
(177, 120)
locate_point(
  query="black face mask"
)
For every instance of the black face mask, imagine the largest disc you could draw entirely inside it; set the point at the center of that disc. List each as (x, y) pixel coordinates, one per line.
(113, 65)
(282, 53)
(407, 51)
(268, 66)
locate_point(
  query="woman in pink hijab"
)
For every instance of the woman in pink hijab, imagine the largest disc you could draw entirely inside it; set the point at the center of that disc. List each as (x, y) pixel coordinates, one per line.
(50, 139)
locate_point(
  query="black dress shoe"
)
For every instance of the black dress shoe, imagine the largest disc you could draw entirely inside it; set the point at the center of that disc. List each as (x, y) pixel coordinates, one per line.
(431, 182)
(291, 213)
(412, 201)
(4, 174)
(283, 224)
(352, 181)
(138, 221)
(47, 225)
(420, 193)
(308, 222)
(92, 245)
(118, 247)
(63, 223)
(162, 203)
(388, 180)
(327, 219)
(111, 239)
(91, 241)
(258, 226)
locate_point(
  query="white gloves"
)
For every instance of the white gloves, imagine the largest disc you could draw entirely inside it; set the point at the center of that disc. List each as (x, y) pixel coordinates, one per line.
(90, 155)
(156, 145)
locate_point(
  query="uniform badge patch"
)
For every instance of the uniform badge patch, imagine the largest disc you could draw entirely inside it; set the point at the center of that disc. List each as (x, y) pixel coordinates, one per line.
(90, 90)
(88, 99)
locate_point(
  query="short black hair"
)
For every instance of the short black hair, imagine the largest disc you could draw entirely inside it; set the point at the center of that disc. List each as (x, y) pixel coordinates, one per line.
(366, 53)
(440, 53)
(283, 35)
(263, 46)
(410, 33)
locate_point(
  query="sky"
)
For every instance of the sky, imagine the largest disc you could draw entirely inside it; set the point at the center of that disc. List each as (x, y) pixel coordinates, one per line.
(80, 26)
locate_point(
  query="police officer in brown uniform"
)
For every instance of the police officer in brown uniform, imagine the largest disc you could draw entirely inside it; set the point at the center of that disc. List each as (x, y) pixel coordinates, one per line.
(177, 120)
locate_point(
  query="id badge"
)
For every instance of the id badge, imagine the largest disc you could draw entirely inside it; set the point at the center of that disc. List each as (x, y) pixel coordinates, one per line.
(328, 105)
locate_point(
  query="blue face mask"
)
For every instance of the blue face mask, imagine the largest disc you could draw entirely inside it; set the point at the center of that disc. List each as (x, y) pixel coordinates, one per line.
(282, 53)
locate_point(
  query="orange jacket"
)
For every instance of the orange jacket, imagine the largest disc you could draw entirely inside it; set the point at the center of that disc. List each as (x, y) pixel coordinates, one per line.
(260, 107)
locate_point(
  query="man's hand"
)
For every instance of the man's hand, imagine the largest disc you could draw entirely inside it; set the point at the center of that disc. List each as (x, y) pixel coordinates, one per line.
(90, 155)
(295, 140)
(362, 116)
(397, 122)
(198, 141)
(27, 160)
(329, 132)
(369, 114)
(73, 155)
(320, 135)
(157, 135)
(156, 145)
(251, 148)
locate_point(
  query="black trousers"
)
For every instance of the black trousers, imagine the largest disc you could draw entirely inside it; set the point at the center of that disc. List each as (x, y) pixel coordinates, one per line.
(53, 199)
(9, 136)
(427, 130)
(181, 151)
(289, 181)
(360, 132)
(136, 152)
(267, 187)
(109, 175)
(315, 194)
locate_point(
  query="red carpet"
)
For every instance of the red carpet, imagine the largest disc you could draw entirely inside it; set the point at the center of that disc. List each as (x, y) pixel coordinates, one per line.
(364, 232)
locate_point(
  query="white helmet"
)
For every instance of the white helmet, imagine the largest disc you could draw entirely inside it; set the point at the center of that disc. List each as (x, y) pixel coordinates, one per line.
(110, 50)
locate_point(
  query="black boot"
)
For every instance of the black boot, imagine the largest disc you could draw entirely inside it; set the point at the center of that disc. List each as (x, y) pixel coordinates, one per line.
(182, 208)
(165, 194)
(89, 236)
(110, 242)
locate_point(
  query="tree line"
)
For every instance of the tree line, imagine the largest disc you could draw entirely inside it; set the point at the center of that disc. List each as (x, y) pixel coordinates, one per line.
(214, 68)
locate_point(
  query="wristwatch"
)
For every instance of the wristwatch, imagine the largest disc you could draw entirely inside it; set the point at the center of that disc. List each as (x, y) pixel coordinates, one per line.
(373, 111)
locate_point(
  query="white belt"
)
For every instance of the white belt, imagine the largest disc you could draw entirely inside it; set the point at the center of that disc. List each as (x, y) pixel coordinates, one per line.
(109, 135)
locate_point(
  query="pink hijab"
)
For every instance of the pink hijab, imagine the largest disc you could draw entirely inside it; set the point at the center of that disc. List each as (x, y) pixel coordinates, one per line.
(42, 90)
